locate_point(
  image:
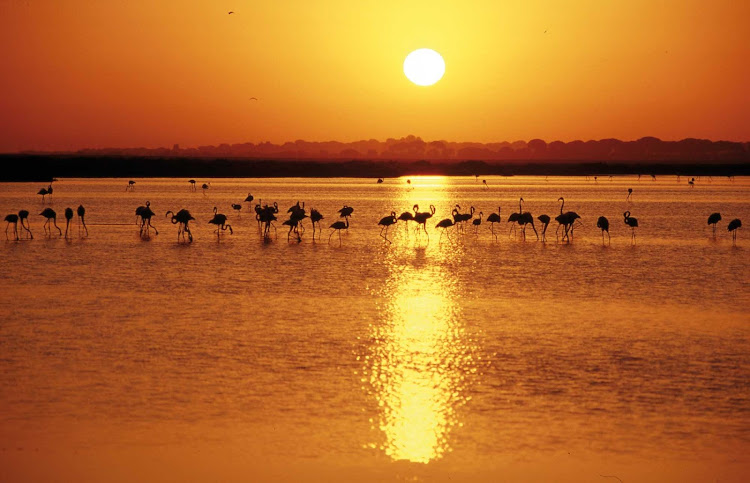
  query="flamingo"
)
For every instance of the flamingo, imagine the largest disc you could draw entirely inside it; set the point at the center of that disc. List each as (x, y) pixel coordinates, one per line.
(205, 186)
(380, 180)
(338, 226)
(691, 182)
(406, 217)
(192, 184)
(249, 198)
(523, 218)
(298, 215)
(292, 223)
(130, 186)
(632, 223)
(267, 215)
(81, 213)
(146, 213)
(732, 227)
(237, 207)
(484, 182)
(385, 222)
(315, 217)
(68, 217)
(44, 192)
(50, 215)
(421, 218)
(544, 219)
(346, 211)
(713, 219)
(630, 192)
(220, 220)
(603, 224)
(492, 219)
(23, 216)
(445, 223)
(182, 217)
(13, 218)
(565, 220)
(476, 222)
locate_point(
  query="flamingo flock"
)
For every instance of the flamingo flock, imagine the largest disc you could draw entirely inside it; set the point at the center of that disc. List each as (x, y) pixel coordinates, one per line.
(266, 216)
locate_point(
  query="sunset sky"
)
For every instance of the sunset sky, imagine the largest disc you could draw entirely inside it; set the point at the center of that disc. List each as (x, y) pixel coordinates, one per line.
(126, 73)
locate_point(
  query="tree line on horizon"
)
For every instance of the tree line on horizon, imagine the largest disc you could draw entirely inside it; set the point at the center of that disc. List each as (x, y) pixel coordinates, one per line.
(414, 148)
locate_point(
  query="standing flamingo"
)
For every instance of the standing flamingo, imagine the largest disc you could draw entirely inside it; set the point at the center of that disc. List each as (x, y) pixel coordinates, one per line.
(632, 223)
(130, 186)
(13, 218)
(713, 219)
(315, 217)
(50, 215)
(192, 184)
(146, 213)
(406, 217)
(237, 207)
(732, 228)
(249, 198)
(630, 192)
(544, 219)
(476, 222)
(337, 227)
(380, 180)
(81, 213)
(566, 220)
(421, 218)
(445, 223)
(182, 217)
(220, 220)
(68, 217)
(603, 224)
(205, 186)
(23, 217)
(385, 222)
(492, 219)
(44, 192)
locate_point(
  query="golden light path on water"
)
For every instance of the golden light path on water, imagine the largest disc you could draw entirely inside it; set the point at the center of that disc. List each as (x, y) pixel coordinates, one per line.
(421, 357)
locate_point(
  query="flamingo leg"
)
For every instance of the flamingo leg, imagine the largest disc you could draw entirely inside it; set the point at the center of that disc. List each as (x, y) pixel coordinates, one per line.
(54, 220)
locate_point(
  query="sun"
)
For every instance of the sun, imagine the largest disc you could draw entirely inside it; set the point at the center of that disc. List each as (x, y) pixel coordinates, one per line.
(424, 67)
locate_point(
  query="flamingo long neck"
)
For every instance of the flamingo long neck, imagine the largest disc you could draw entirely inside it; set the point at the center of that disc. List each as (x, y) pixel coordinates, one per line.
(561, 206)
(520, 210)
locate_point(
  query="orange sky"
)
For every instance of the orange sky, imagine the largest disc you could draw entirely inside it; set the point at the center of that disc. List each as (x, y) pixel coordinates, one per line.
(126, 73)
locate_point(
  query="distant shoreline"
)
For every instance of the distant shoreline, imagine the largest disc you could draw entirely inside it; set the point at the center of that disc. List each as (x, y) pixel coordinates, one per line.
(24, 168)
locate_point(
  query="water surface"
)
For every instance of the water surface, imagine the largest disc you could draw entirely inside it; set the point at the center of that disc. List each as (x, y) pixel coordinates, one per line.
(463, 358)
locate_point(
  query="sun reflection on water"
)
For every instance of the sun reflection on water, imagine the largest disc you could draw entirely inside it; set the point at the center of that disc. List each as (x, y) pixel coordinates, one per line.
(421, 357)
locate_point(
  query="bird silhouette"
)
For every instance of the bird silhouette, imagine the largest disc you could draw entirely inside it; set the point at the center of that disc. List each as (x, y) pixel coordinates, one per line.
(544, 219)
(293, 225)
(346, 211)
(445, 223)
(337, 227)
(566, 220)
(266, 216)
(220, 220)
(44, 192)
(421, 218)
(603, 224)
(713, 219)
(192, 184)
(205, 186)
(51, 216)
(630, 192)
(486, 186)
(632, 223)
(230, 13)
(385, 222)
(691, 182)
(68, 217)
(315, 217)
(523, 219)
(146, 213)
(732, 227)
(380, 180)
(476, 222)
(406, 217)
(492, 219)
(182, 218)
(130, 186)
(237, 207)
(12, 218)
(81, 214)
(23, 217)
(249, 198)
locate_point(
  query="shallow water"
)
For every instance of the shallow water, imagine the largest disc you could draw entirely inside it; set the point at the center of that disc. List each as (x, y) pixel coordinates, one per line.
(464, 357)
